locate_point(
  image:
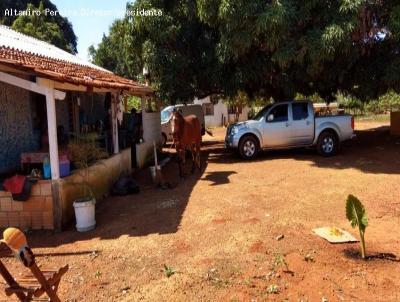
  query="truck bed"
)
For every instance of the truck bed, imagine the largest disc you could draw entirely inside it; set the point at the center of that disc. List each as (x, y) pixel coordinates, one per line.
(342, 124)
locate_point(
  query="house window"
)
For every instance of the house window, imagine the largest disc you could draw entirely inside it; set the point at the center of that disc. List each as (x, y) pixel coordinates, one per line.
(234, 109)
(208, 109)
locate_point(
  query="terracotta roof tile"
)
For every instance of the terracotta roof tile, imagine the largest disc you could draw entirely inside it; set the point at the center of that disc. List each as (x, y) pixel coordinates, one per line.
(51, 62)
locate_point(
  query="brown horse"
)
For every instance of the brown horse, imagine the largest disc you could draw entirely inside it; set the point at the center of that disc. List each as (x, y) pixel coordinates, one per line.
(186, 133)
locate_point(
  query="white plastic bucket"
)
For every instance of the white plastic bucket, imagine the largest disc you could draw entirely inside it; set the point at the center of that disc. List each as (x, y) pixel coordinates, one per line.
(85, 215)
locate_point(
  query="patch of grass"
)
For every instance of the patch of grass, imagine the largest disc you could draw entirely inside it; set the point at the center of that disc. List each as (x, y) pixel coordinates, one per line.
(97, 274)
(215, 278)
(168, 271)
(309, 257)
(280, 260)
(373, 117)
(273, 289)
(247, 281)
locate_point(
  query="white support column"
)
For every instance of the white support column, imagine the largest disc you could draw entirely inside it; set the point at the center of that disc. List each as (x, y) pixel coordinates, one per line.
(114, 122)
(52, 132)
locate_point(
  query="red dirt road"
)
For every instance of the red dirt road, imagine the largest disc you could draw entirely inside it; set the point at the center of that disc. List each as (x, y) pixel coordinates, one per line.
(218, 230)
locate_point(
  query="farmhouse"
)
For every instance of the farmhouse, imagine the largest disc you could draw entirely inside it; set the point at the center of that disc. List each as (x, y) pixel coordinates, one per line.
(47, 98)
(217, 113)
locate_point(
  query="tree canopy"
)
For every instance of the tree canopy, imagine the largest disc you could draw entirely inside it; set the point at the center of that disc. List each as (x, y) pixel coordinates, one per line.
(53, 29)
(112, 54)
(273, 48)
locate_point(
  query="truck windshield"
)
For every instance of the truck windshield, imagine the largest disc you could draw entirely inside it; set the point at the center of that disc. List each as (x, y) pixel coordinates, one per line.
(165, 115)
(262, 112)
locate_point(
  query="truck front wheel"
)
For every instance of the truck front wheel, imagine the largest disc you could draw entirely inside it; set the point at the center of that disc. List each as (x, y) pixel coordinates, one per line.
(248, 147)
(328, 144)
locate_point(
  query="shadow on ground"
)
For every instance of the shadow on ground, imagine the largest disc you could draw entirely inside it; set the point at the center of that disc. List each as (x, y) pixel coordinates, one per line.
(218, 177)
(152, 211)
(372, 151)
(156, 211)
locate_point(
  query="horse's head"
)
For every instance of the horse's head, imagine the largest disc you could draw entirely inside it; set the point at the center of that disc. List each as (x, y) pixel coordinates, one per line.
(176, 124)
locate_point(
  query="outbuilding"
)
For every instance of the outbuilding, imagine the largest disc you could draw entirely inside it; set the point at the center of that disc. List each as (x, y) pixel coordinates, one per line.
(47, 94)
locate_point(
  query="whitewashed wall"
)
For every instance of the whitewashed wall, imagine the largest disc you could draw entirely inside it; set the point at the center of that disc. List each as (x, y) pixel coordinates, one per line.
(151, 126)
(221, 116)
(151, 132)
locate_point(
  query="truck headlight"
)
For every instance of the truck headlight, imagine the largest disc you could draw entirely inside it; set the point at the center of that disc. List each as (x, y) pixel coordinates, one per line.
(234, 130)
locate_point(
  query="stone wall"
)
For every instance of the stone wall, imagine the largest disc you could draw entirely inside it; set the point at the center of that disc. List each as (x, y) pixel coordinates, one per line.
(16, 126)
(16, 134)
(36, 213)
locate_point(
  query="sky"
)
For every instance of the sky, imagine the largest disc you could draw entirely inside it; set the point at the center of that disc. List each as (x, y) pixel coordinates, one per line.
(90, 19)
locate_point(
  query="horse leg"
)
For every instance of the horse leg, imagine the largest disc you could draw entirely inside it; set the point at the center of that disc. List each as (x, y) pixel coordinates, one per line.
(179, 160)
(194, 157)
(182, 162)
(198, 155)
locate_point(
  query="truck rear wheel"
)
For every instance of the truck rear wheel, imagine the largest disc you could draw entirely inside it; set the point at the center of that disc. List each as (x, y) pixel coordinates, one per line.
(248, 147)
(328, 144)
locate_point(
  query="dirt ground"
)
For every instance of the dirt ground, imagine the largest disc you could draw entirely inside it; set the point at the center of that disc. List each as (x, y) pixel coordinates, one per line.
(217, 230)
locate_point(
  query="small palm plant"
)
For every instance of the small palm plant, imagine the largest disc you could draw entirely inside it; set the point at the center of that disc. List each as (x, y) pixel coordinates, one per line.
(355, 213)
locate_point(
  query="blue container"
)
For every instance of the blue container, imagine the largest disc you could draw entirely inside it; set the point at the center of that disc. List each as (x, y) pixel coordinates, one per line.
(65, 167)
(46, 168)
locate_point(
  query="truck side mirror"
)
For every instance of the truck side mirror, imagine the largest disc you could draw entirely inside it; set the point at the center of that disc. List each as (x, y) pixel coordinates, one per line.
(270, 117)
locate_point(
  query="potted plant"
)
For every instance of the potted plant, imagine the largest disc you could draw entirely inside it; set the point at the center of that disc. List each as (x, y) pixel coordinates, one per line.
(83, 154)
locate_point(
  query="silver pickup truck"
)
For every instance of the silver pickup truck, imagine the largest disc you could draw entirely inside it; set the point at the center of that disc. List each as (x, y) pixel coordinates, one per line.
(290, 125)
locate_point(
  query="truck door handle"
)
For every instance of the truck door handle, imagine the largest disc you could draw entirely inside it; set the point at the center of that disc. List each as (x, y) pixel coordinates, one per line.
(287, 124)
(308, 123)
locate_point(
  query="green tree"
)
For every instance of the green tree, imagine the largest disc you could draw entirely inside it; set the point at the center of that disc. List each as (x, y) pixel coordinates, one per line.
(389, 102)
(63, 35)
(274, 48)
(112, 54)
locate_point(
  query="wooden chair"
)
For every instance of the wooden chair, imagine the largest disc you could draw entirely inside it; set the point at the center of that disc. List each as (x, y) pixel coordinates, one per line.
(33, 285)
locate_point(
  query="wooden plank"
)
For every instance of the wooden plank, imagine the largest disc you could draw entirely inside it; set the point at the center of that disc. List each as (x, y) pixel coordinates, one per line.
(57, 206)
(10, 280)
(70, 87)
(54, 280)
(45, 285)
(28, 85)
